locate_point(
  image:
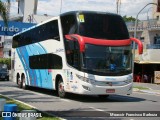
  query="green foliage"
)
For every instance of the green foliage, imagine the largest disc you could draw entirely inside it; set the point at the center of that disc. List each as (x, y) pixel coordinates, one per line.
(141, 88)
(129, 19)
(6, 61)
(3, 11)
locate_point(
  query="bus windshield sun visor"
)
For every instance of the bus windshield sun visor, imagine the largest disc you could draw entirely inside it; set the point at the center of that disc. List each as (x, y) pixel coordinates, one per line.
(104, 42)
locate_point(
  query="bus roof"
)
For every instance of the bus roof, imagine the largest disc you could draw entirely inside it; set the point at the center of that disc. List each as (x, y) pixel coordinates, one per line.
(63, 14)
(82, 11)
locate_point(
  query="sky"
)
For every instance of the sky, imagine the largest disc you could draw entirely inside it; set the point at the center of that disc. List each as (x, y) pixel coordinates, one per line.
(55, 7)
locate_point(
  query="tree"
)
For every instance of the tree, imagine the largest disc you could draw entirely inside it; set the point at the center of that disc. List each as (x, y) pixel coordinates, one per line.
(6, 61)
(129, 19)
(4, 10)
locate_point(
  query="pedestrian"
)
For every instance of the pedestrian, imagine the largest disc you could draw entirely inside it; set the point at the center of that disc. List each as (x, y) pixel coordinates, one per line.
(138, 78)
(145, 78)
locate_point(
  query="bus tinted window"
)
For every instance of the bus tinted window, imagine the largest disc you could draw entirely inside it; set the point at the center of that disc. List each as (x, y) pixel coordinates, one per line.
(45, 61)
(69, 24)
(37, 34)
(107, 60)
(102, 26)
(72, 53)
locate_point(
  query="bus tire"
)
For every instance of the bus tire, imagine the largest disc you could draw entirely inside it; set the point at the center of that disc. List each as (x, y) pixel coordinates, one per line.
(19, 81)
(60, 90)
(23, 82)
(103, 96)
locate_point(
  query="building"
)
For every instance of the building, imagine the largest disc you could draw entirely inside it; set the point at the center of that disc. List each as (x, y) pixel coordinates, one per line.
(155, 13)
(7, 47)
(26, 12)
(148, 31)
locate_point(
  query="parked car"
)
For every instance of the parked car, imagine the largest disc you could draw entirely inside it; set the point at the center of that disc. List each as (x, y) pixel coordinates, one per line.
(4, 74)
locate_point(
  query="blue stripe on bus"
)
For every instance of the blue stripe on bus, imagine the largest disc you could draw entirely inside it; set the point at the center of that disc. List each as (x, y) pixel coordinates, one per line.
(40, 78)
(43, 72)
(43, 48)
(36, 71)
(18, 52)
(32, 73)
(45, 75)
(25, 57)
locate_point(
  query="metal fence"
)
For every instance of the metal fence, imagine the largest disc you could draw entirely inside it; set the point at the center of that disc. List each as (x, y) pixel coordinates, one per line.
(153, 46)
(144, 25)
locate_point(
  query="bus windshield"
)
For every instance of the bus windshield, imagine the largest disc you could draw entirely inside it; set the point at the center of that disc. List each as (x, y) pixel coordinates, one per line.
(104, 60)
(102, 26)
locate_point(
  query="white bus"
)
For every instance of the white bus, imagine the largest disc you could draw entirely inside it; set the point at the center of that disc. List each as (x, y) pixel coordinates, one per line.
(79, 52)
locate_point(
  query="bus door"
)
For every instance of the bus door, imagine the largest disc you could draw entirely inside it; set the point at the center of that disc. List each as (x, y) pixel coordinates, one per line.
(74, 59)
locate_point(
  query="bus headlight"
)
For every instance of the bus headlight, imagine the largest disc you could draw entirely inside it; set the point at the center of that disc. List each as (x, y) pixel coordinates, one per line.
(86, 88)
(128, 81)
(83, 78)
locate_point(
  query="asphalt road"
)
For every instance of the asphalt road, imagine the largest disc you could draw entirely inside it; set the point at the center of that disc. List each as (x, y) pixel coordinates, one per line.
(85, 106)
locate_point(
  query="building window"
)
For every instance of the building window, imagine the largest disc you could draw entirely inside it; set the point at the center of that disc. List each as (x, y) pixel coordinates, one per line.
(157, 17)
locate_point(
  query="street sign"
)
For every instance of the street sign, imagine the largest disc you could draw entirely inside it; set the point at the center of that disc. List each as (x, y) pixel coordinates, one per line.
(13, 27)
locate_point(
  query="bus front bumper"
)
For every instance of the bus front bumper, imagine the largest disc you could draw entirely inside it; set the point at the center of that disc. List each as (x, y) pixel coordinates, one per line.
(89, 89)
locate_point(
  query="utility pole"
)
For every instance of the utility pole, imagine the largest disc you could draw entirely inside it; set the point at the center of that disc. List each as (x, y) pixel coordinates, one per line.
(118, 3)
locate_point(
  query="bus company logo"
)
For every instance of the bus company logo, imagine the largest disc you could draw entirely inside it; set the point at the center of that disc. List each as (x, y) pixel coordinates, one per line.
(60, 50)
(111, 79)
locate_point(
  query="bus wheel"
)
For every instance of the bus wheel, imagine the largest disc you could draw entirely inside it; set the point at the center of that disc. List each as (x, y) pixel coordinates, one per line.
(23, 82)
(19, 82)
(103, 96)
(61, 92)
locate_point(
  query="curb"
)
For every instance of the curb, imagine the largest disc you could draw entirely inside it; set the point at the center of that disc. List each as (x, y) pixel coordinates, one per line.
(33, 107)
(136, 90)
(150, 91)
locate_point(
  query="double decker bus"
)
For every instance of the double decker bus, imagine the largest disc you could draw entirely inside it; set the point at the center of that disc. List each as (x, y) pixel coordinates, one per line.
(81, 52)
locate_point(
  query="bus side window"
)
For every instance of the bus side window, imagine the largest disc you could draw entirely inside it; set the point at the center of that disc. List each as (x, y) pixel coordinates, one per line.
(45, 61)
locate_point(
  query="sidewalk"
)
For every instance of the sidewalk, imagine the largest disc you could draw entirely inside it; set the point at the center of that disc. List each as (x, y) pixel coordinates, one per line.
(152, 88)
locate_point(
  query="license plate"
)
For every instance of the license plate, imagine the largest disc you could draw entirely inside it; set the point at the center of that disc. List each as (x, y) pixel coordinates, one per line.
(110, 91)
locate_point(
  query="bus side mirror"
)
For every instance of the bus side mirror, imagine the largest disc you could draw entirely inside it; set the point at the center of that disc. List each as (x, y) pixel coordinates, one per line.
(140, 45)
(79, 39)
(68, 37)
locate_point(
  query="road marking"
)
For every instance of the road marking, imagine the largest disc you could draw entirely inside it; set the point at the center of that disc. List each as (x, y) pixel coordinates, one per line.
(97, 109)
(147, 93)
(36, 93)
(65, 100)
